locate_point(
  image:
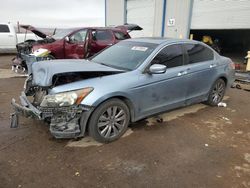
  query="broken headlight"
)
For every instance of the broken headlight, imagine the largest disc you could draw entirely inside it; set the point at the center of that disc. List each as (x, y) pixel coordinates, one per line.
(66, 98)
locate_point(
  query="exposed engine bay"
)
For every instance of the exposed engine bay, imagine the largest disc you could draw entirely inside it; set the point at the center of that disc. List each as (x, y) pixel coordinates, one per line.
(26, 47)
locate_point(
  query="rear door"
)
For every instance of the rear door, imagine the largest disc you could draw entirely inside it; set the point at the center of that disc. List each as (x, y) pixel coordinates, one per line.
(74, 48)
(160, 92)
(201, 71)
(100, 39)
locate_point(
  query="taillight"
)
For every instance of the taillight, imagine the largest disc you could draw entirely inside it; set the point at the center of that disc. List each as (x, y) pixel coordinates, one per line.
(232, 65)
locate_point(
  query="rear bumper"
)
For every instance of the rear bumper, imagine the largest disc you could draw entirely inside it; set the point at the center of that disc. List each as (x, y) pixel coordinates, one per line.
(65, 122)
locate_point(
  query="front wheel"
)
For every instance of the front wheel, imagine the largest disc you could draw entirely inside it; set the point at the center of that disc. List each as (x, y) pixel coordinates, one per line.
(50, 57)
(217, 92)
(109, 121)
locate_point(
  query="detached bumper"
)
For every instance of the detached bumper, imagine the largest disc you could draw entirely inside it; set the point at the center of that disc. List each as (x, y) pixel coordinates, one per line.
(26, 109)
(65, 122)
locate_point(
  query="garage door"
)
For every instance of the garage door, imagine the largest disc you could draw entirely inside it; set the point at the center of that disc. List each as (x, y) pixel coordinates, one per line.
(221, 14)
(141, 12)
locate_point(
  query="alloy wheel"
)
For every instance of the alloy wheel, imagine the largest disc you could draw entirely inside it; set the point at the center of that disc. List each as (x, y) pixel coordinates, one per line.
(111, 122)
(218, 92)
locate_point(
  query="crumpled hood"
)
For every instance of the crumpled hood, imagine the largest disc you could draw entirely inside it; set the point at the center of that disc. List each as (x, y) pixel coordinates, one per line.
(34, 30)
(43, 71)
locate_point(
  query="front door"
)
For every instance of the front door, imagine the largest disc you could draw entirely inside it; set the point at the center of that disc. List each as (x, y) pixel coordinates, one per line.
(164, 91)
(74, 47)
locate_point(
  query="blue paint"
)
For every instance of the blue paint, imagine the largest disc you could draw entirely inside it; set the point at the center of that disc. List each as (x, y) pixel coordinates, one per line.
(163, 18)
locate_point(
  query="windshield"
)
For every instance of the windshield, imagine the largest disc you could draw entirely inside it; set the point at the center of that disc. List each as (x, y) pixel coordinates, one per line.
(60, 33)
(126, 55)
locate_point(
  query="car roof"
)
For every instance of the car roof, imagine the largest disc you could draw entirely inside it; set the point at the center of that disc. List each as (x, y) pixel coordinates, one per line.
(102, 28)
(161, 40)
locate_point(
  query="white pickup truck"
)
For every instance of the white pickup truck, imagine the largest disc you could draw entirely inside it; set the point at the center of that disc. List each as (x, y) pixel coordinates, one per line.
(9, 38)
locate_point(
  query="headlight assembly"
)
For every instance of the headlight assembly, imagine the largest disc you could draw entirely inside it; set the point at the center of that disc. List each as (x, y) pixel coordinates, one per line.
(66, 98)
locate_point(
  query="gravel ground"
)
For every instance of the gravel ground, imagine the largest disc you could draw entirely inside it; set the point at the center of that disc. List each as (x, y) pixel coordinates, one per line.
(197, 146)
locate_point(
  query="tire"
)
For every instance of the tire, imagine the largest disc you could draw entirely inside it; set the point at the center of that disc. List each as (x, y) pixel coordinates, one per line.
(104, 126)
(216, 93)
(50, 57)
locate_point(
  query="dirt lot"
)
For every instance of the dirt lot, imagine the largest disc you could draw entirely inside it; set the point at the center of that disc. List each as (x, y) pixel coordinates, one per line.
(198, 146)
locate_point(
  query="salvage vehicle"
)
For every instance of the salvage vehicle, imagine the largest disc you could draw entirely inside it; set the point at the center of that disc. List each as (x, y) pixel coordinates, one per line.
(71, 43)
(9, 38)
(103, 94)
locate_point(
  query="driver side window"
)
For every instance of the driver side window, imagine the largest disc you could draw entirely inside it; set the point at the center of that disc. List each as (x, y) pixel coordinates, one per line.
(170, 56)
(78, 37)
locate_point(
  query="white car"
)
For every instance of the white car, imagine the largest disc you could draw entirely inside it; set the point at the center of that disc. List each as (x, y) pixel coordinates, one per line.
(8, 38)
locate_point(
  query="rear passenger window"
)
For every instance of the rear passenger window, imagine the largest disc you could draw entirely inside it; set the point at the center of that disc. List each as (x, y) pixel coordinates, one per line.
(171, 56)
(4, 29)
(103, 35)
(120, 35)
(198, 53)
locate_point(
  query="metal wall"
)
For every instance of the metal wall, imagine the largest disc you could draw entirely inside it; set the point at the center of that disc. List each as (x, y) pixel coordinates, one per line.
(148, 18)
(114, 12)
(177, 22)
(221, 14)
(177, 10)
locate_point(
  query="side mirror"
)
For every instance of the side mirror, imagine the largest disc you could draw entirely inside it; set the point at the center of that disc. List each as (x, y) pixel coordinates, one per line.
(157, 69)
(67, 39)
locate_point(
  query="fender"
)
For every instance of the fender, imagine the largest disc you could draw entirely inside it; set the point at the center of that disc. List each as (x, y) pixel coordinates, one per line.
(120, 95)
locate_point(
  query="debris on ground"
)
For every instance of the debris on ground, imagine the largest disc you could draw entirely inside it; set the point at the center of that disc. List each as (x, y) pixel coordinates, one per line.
(77, 174)
(242, 80)
(222, 104)
(225, 118)
(247, 157)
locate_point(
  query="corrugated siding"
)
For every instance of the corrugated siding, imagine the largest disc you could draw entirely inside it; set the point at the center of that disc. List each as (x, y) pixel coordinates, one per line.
(141, 12)
(221, 14)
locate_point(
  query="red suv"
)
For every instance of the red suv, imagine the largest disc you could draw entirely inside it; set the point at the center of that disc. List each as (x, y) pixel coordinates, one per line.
(73, 43)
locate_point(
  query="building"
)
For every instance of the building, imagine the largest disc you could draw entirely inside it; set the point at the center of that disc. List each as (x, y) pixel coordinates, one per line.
(225, 20)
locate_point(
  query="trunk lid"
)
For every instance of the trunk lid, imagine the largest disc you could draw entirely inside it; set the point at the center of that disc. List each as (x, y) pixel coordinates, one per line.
(129, 27)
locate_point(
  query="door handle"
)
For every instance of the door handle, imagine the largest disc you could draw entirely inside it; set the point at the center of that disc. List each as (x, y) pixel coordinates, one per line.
(182, 73)
(81, 45)
(212, 66)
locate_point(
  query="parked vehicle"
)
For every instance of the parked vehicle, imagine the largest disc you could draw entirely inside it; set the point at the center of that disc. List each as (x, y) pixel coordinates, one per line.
(129, 81)
(8, 38)
(73, 43)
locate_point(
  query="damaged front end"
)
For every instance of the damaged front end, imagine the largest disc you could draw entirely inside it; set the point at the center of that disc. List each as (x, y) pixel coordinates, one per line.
(24, 49)
(64, 111)
(53, 93)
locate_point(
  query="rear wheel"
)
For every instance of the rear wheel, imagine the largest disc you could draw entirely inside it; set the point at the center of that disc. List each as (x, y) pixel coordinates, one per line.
(217, 92)
(109, 121)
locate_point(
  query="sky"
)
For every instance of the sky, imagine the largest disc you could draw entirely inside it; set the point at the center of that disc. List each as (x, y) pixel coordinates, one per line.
(53, 13)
